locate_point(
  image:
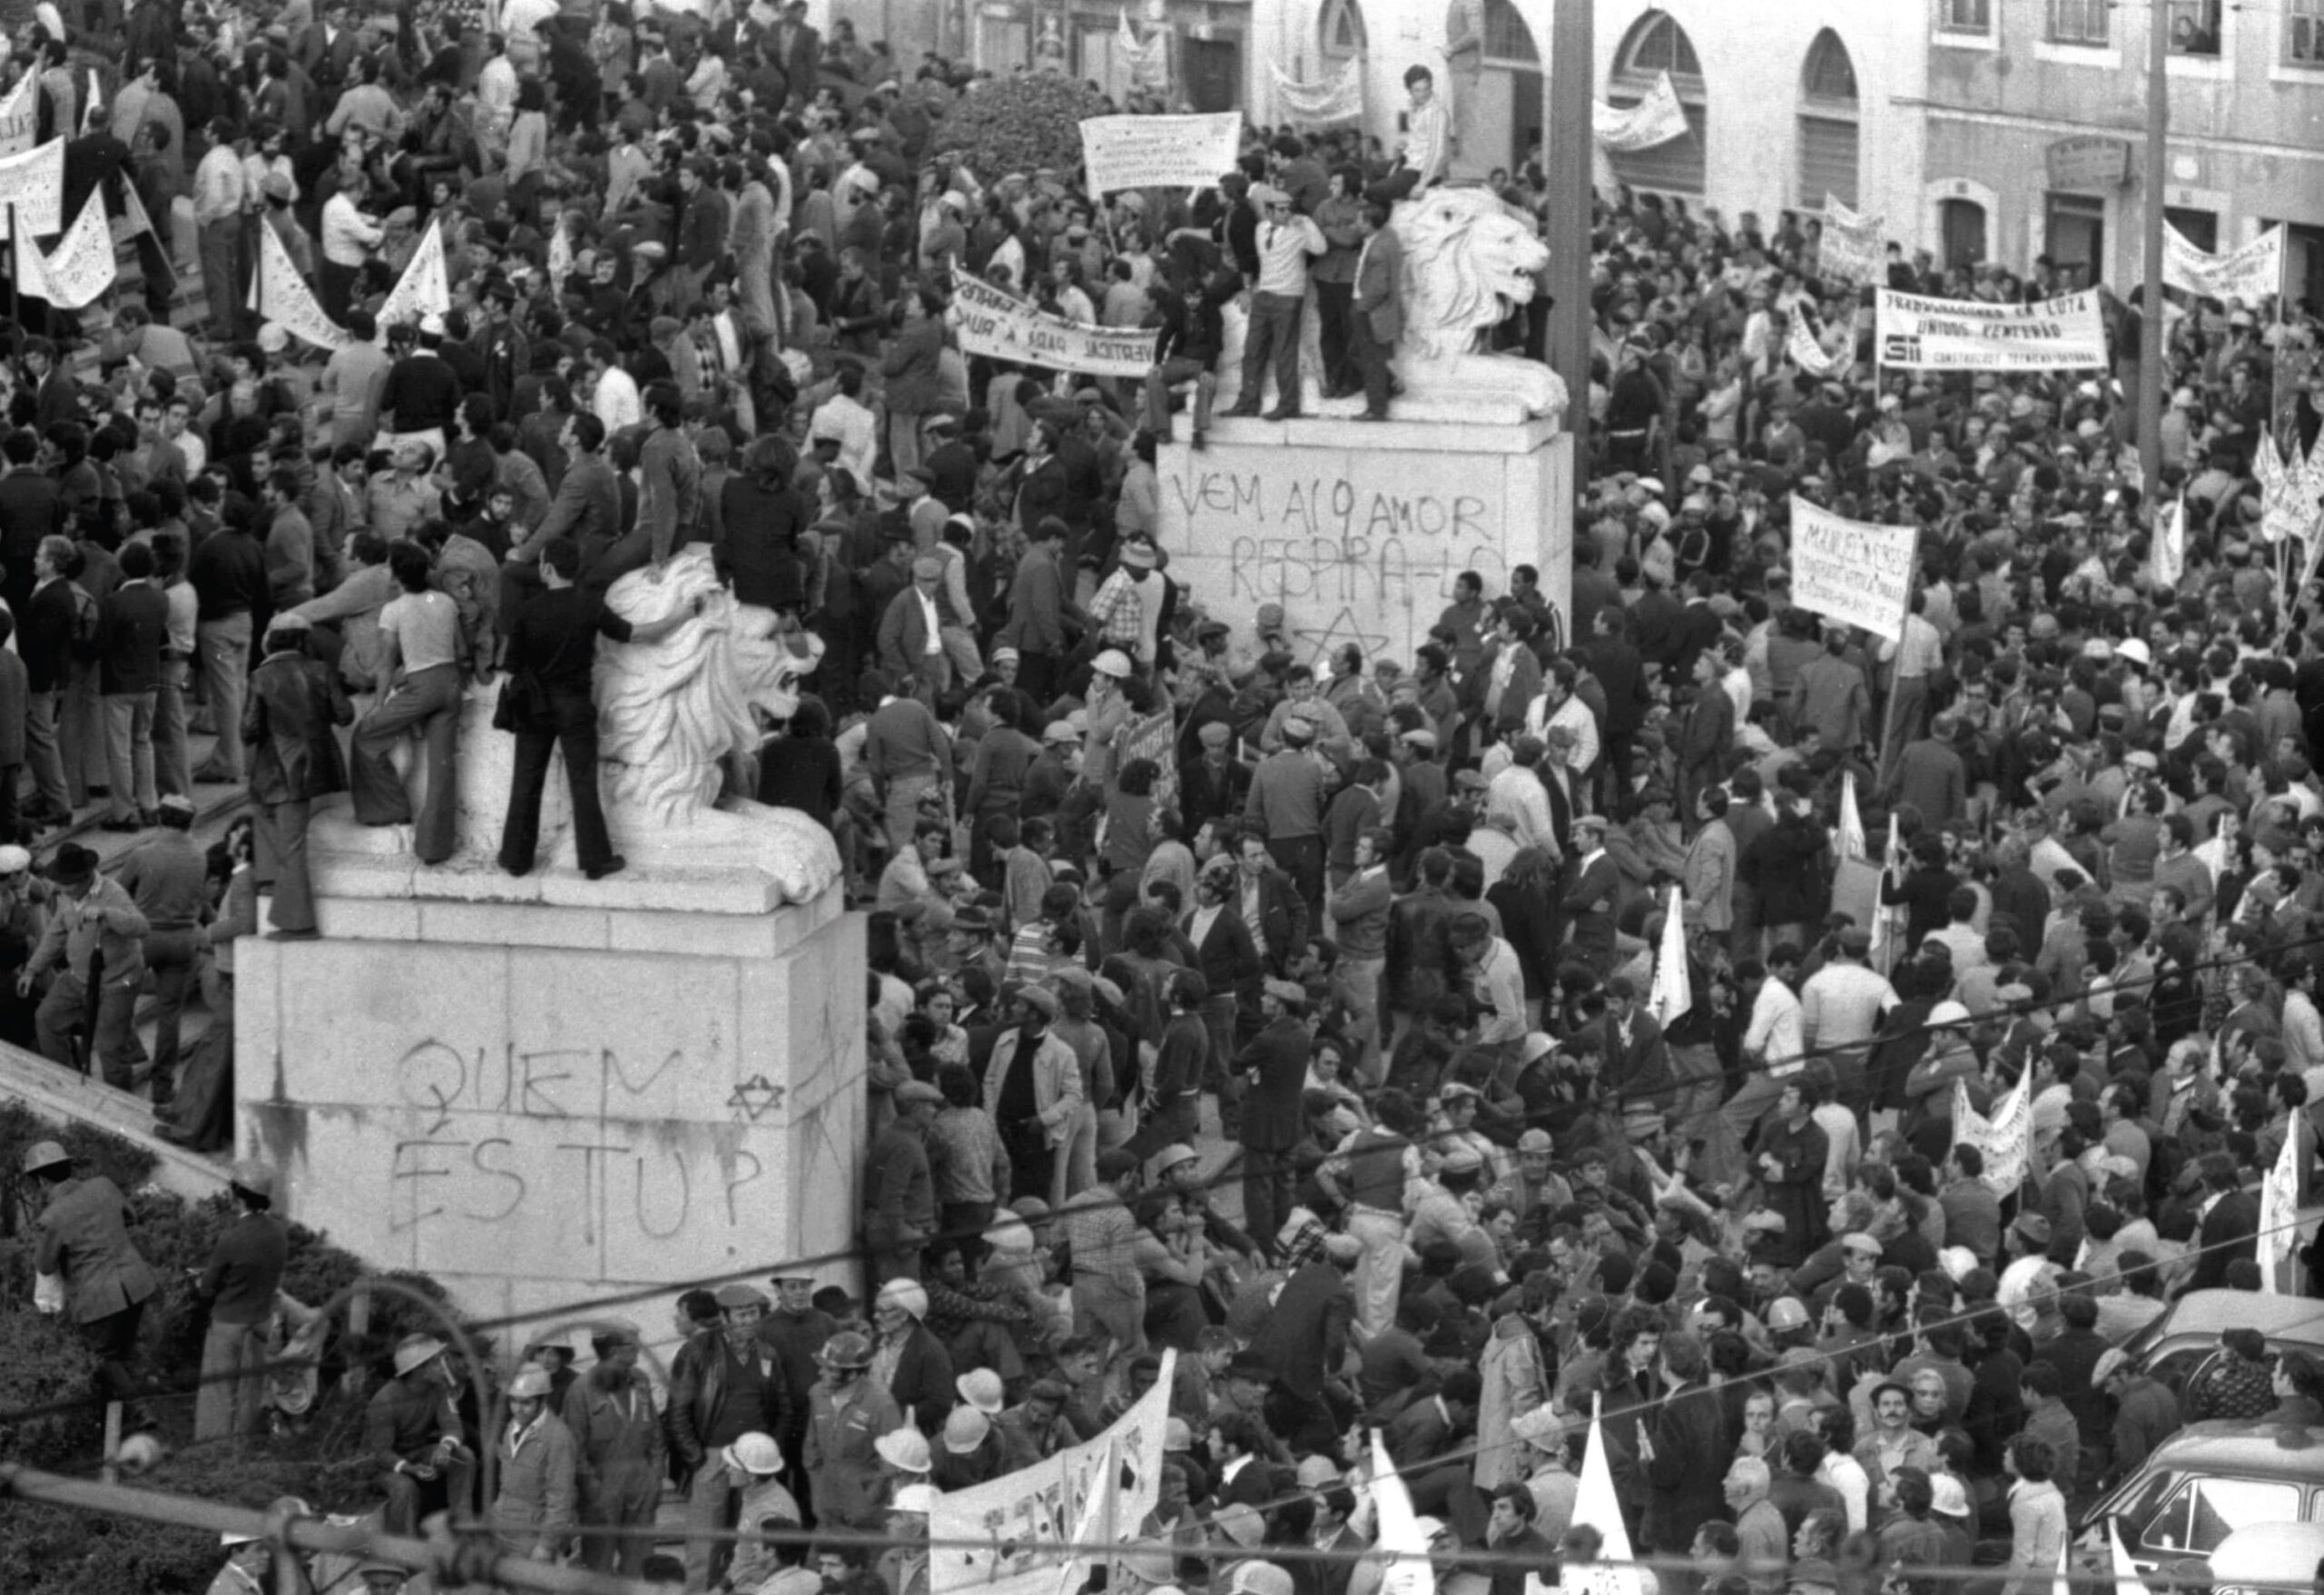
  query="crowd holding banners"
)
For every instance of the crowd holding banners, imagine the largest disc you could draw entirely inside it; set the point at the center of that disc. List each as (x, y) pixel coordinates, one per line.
(1402, 925)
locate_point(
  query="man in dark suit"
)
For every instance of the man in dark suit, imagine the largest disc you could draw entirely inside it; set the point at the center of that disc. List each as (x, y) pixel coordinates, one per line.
(31, 508)
(1305, 1340)
(82, 1235)
(1379, 318)
(2229, 1226)
(326, 49)
(1705, 736)
(1216, 786)
(1272, 909)
(911, 646)
(1686, 1446)
(922, 1381)
(1273, 1066)
(799, 50)
(1593, 886)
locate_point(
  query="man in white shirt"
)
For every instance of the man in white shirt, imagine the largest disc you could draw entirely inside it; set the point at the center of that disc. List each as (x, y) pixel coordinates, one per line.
(1284, 241)
(614, 399)
(1428, 139)
(348, 238)
(844, 419)
(221, 195)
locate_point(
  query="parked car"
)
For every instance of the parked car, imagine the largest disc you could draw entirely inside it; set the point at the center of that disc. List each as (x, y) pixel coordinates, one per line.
(2268, 1559)
(2176, 1345)
(2210, 1481)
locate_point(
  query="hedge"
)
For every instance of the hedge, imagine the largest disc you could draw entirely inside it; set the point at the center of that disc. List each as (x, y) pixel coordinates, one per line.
(47, 1550)
(1021, 123)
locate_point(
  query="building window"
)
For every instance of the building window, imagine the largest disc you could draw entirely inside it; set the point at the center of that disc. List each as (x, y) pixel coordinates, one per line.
(2076, 238)
(1343, 30)
(2304, 33)
(2200, 228)
(2194, 27)
(1828, 130)
(1507, 38)
(2079, 22)
(1654, 45)
(1961, 224)
(1965, 17)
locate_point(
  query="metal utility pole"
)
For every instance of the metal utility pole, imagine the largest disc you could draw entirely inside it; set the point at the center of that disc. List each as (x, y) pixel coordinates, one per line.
(1568, 144)
(2150, 301)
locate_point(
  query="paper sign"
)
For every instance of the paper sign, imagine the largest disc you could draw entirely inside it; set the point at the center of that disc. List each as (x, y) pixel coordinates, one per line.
(1655, 119)
(1850, 249)
(1804, 352)
(2249, 274)
(1917, 334)
(20, 114)
(284, 298)
(1155, 737)
(34, 183)
(999, 1538)
(78, 270)
(1852, 571)
(1159, 151)
(2006, 1139)
(423, 286)
(992, 323)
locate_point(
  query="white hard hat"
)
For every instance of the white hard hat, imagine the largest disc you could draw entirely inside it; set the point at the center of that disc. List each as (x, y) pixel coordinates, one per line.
(530, 1384)
(755, 1453)
(1113, 662)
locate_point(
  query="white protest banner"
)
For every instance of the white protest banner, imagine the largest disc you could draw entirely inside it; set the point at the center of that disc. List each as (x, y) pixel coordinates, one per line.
(1409, 1571)
(1000, 1538)
(1672, 994)
(20, 115)
(1149, 63)
(1852, 571)
(2007, 1138)
(2250, 275)
(1850, 249)
(994, 323)
(1919, 334)
(1159, 151)
(1596, 1504)
(34, 183)
(1339, 98)
(2169, 553)
(1656, 120)
(80, 266)
(560, 256)
(2280, 1208)
(1806, 353)
(284, 298)
(423, 286)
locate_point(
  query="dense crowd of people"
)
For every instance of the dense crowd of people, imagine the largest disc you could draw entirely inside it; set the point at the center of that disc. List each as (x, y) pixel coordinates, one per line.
(1395, 931)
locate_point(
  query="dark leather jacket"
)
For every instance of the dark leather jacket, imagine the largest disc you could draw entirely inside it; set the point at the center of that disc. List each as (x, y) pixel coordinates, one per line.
(698, 1387)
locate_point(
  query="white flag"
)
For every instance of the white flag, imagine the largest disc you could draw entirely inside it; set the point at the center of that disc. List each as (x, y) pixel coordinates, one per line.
(284, 298)
(423, 287)
(2280, 1208)
(96, 102)
(1596, 1504)
(1891, 863)
(1805, 352)
(1850, 842)
(2126, 1573)
(560, 254)
(1408, 1571)
(20, 114)
(2006, 1139)
(1335, 100)
(1656, 120)
(1671, 996)
(81, 266)
(2169, 554)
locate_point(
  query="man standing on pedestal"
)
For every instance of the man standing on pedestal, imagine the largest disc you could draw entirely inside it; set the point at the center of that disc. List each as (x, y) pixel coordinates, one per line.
(1427, 155)
(1379, 319)
(1285, 241)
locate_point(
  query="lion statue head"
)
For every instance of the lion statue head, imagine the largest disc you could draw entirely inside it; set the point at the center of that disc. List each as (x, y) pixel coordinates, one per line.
(1468, 257)
(671, 712)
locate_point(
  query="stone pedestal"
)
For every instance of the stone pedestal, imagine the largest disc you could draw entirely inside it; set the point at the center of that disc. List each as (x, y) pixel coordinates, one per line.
(1360, 529)
(547, 1090)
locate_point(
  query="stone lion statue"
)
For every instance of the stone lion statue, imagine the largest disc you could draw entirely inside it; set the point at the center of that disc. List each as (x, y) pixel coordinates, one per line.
(1469, 258)
(674, 716)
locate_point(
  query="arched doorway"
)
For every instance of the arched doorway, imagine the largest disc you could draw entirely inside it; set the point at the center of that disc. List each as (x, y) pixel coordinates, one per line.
(1829, 129)
(1654, 45)
(1495, 65)
(1340, 34)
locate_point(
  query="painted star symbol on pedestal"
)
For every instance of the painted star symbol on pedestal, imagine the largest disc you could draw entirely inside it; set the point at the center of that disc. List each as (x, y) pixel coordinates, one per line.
(756, 1096)
(1344, 628)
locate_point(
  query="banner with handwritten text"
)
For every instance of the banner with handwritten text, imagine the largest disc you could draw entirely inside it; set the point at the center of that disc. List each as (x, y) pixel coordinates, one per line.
(34, 183)
(1159, 151)
(1852, 571)
(284, 298)
(79, 269)
(20, 115)
(1155, 737)
(1850, 249)
(995, 324)
(2246, 275)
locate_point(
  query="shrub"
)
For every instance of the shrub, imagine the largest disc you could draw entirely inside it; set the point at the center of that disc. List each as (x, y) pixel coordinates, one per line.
(1020, 123)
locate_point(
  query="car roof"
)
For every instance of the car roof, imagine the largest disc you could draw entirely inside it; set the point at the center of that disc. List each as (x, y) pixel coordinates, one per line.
(2204, 1312)
(2223, 1445)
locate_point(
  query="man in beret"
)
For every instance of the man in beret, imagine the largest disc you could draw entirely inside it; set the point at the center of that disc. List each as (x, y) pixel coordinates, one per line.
(1274, 1065)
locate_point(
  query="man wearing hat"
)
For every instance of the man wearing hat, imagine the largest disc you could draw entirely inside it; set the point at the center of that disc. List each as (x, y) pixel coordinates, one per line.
(238, 1286)
(294, 702)
(1032, 1088)
(848, 1413)
(1273, 1066)
(97, 931)
(898, 1189)
(1136, 606)
(81, 1239)
(533, 1514)
(413, 1431)
(621, 1454)
(1285, 243)
(724, 1384)
(168, 877)
(763, 1504)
